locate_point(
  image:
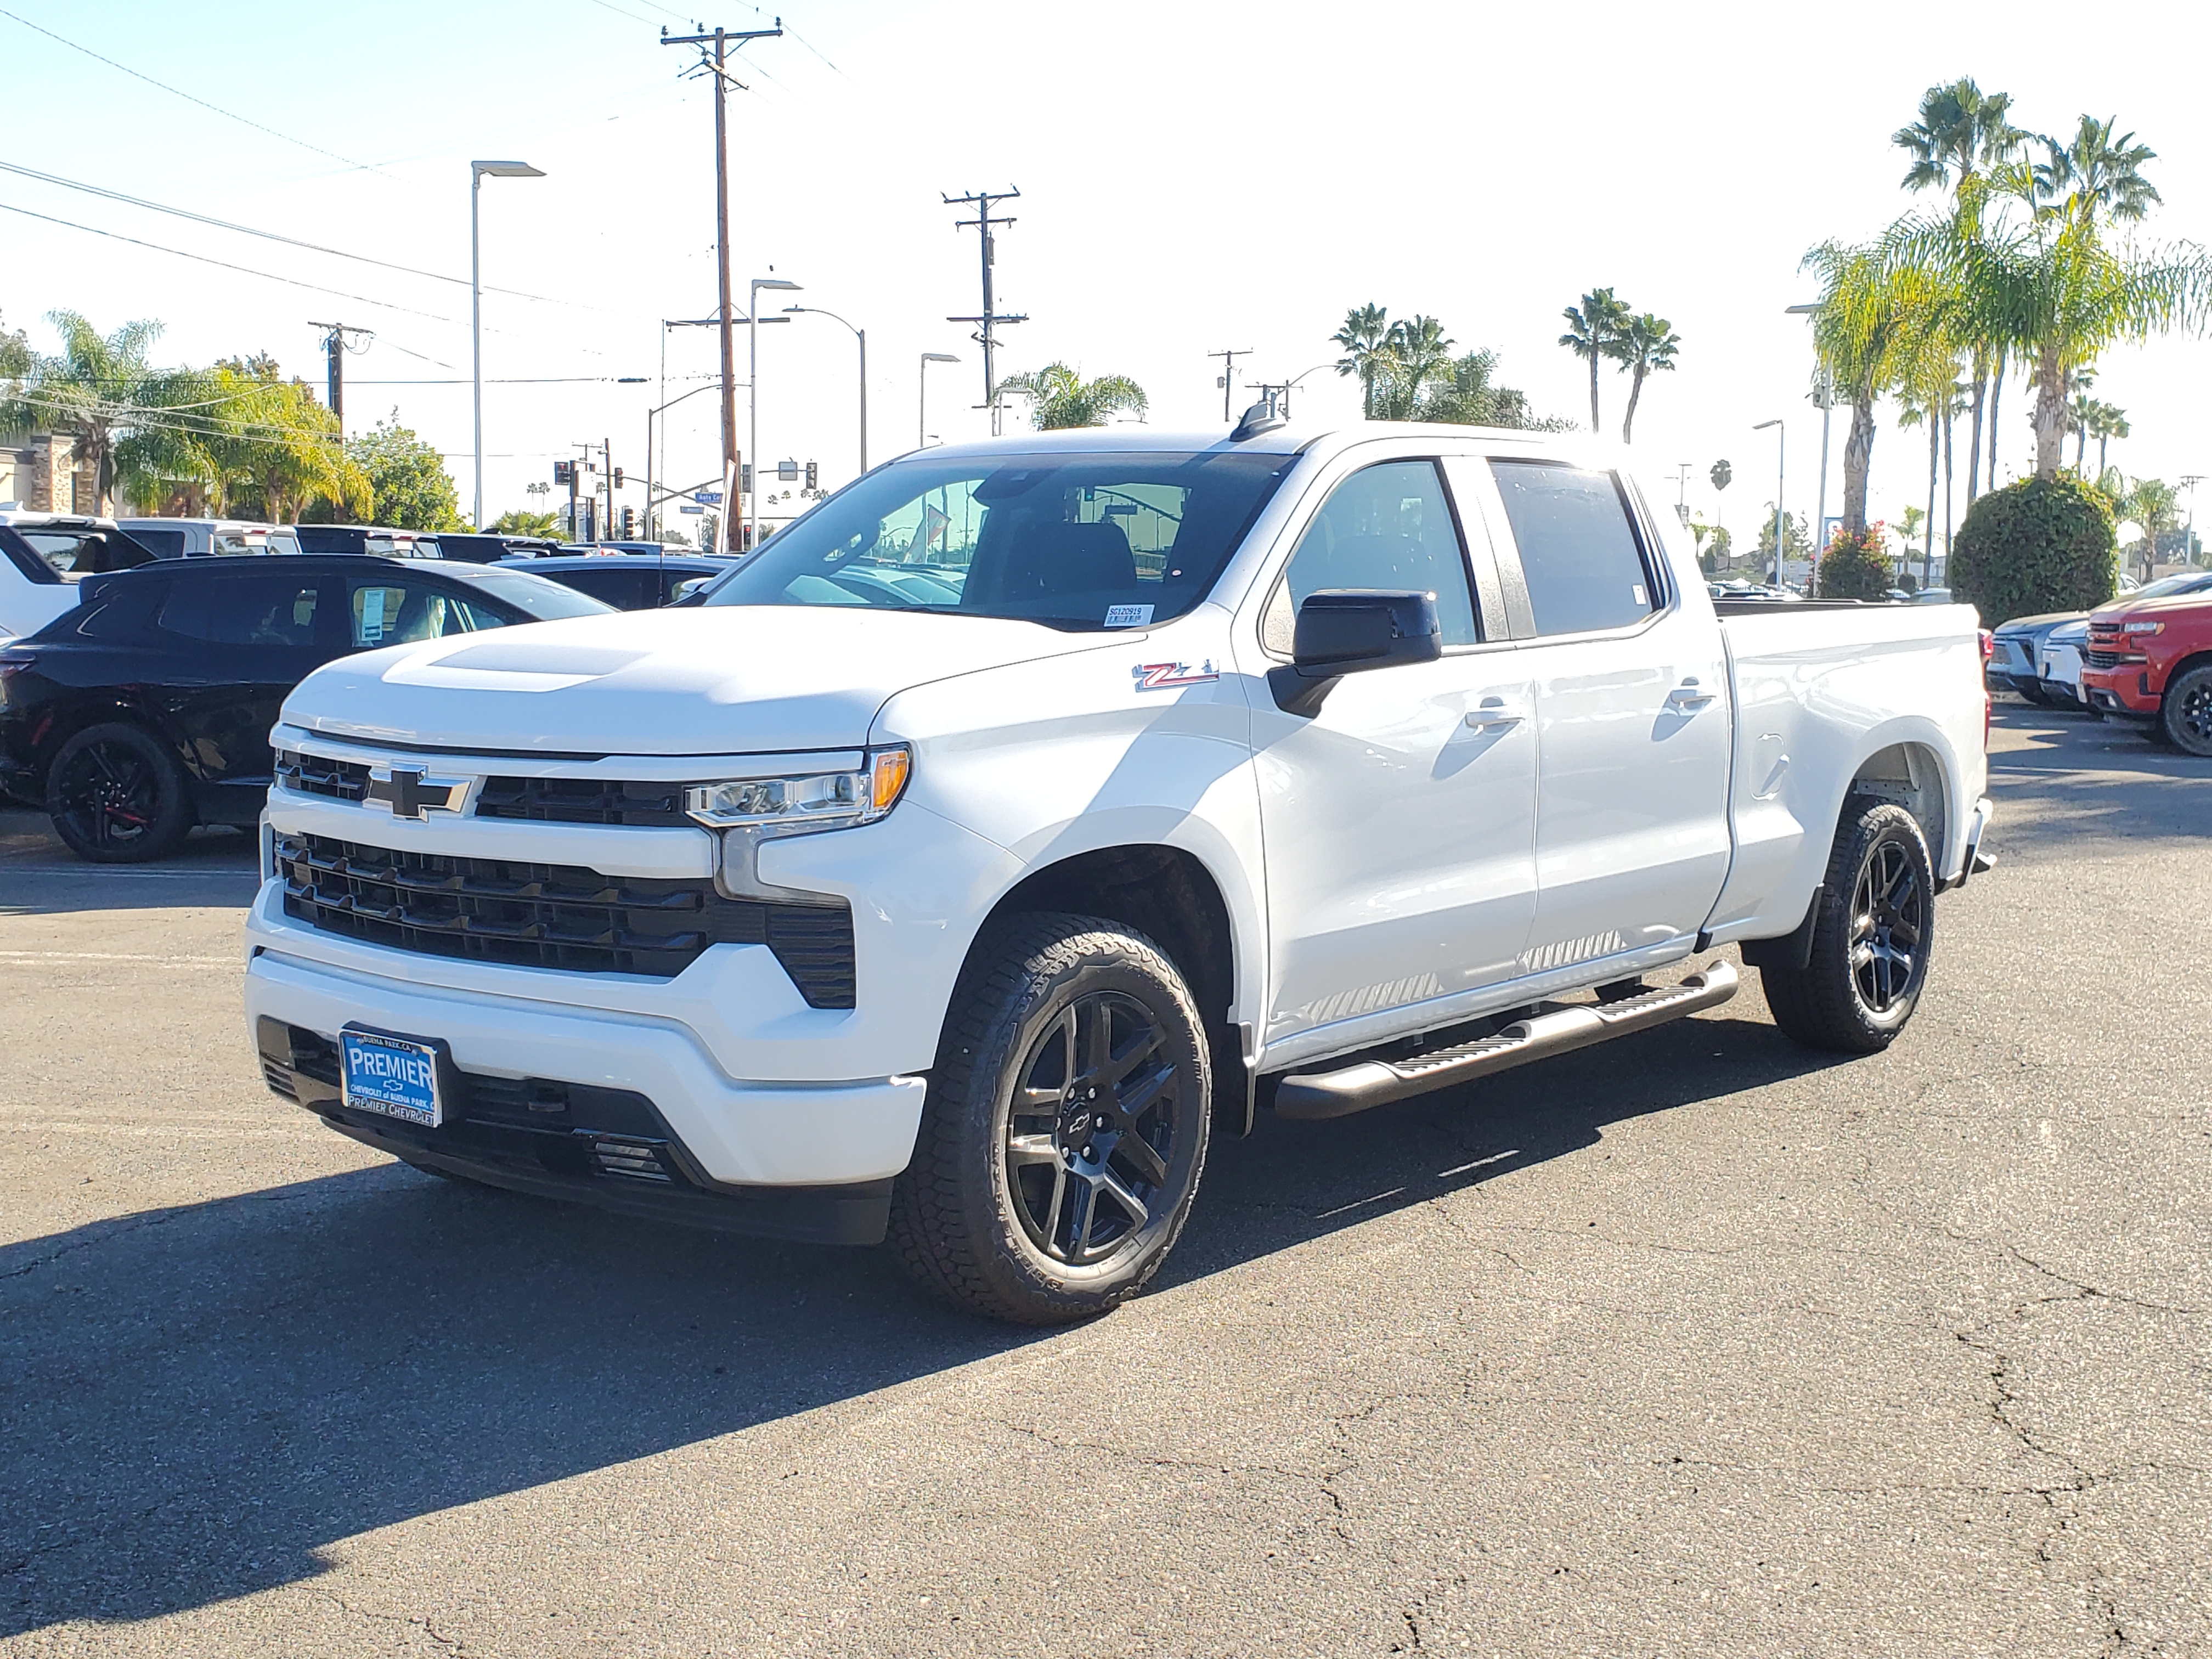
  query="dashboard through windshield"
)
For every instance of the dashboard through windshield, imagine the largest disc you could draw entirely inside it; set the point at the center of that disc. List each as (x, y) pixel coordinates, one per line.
(1075, 542)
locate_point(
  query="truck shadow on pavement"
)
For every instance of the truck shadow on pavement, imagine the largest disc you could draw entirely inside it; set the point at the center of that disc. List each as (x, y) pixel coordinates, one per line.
(201, 1399)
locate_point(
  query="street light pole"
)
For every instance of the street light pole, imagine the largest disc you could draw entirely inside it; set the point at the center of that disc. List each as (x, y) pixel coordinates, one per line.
(476, 171)
(861, 335)
(1781, 472)
(921, 434)
(752, 399)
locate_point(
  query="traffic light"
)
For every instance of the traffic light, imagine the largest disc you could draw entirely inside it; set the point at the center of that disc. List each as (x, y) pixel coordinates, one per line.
(812, 473)
(564, 472)
(618, 475)
(744, 477)
(629, 521)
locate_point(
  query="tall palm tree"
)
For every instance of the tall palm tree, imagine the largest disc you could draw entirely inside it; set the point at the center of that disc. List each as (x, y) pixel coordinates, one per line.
(1870, 329)
(2096, 175)
(1594, 332)
(1365, 337)
(1648, 346)
(2111, 423)
(2080, 417)
(97, 390)
(1963, 136)
(1417, 355)
(1064, 398)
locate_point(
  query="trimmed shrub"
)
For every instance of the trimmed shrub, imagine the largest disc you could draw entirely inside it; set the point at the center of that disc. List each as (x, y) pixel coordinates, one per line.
(2042, 544)
(1857, 566)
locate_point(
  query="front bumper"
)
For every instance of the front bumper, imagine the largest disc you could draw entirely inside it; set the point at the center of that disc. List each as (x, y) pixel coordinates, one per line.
(735, 1132)
(2125, 691)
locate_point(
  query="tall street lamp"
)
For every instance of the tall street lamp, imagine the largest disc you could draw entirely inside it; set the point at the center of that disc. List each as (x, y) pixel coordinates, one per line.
(476, 171)
(861, 335)
(1781, 466)
(922, 435)
(1824, 394)
(752, 398)
(651, 499)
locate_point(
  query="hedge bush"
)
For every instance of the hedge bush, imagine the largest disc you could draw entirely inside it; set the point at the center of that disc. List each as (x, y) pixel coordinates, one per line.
(2042, 544)
(1857, 566)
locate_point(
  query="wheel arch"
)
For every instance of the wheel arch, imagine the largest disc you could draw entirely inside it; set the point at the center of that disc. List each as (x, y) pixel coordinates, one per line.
(1914, 775)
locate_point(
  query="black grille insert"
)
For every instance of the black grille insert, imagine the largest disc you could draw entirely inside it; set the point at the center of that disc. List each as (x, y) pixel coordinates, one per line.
(585, 801)
(555, 915)
(313, 774)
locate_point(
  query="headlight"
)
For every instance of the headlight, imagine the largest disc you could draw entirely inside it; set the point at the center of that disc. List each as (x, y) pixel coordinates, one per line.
(2142, 627)
(794, 805)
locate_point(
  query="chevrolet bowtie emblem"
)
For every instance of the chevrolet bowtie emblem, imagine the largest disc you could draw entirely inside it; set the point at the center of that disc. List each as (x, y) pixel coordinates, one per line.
(408, 793)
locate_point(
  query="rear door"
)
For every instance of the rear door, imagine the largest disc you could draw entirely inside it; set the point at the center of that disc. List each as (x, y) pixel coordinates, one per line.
(236, 642)
(1632, 738)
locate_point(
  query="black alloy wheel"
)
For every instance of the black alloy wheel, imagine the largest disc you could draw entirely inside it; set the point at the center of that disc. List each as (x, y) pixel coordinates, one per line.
(1889, 918)
(1066, 1125)
(1873, 928)
(1091, 1128)
(2186, 712)
(116, 795)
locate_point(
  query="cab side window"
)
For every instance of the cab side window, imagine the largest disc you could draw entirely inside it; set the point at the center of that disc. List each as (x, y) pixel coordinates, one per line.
(385, 611)
(1579, 552)
(1388, 528)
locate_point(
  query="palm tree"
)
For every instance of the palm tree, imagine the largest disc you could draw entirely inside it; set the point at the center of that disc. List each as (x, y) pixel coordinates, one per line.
(1648, 345)
(1870, 328)
(96, 391)
(2096, 175)
(2081, 416)
(1417, 355)
(1064, 398)
(1365, 337)
(1594, 332)
(2111, 423)
(2156, 506)
(1963, 136)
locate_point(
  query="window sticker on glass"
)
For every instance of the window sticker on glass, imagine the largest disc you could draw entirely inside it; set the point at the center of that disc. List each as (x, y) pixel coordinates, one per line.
(371, 615)
(1637, 589)
(1128, 616)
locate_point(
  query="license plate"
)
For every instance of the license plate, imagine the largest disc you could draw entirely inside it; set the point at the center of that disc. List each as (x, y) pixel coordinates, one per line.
(395, 1076)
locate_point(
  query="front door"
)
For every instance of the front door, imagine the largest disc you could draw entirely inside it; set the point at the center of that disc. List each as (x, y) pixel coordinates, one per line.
(1632, 723)
(1399, 818)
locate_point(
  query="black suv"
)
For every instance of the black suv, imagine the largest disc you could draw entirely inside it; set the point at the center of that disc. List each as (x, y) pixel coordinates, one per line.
(628, 581)
(147, 709)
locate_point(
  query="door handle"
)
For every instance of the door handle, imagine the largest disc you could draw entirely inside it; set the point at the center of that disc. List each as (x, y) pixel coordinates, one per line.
(1687, 695)
(1493, 714)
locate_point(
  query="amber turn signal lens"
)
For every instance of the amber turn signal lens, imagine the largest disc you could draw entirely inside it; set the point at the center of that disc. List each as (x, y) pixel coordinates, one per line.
(890, 768)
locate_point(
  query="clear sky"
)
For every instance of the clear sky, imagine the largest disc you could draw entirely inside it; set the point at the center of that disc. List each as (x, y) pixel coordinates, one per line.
(1194, 176)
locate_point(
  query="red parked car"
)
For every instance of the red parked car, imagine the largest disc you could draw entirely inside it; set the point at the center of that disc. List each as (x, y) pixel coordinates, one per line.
(2150, 658)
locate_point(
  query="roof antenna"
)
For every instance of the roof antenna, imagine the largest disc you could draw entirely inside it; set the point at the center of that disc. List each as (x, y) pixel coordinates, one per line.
(1260, 417)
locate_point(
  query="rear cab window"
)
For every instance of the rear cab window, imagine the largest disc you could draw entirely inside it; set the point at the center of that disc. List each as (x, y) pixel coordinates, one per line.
(1584, 565)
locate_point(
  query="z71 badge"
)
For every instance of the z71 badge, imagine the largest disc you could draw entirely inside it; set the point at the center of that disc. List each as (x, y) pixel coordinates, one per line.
(1165, 676)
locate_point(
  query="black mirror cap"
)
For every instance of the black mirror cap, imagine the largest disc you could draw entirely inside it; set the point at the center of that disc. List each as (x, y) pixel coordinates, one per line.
(1343, 630)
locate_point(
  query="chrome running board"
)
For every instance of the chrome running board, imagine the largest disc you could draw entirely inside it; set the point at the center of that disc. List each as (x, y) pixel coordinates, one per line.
(1309, 1097)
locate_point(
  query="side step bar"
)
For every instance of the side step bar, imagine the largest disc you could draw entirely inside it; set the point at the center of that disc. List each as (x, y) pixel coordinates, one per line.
(1310, 1097)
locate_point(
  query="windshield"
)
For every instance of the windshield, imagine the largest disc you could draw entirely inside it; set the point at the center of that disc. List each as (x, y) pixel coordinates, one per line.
(1080, 541)
(2165, 586)
(544, 600)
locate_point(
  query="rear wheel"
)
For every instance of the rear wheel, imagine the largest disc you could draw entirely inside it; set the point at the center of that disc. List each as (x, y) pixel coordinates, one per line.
(117, 795)
(2185, 713)
(1066, 1125)
(1871, 938)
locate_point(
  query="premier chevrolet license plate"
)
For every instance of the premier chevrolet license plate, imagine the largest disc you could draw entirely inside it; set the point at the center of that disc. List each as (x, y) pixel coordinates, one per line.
(395, 1076)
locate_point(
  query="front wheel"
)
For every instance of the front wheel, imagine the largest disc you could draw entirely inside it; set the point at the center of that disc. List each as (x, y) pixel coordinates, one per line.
(2186, 712)
(1065, 1124)
(1871, 938)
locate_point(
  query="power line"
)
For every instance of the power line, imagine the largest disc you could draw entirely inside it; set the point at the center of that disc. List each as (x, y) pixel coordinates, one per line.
(229, 115)
(289, 281)
(273, 236)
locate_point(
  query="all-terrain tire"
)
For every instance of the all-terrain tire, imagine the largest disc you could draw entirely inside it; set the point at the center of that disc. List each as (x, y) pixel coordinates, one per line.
(2185, 713)
(1871, 938)
(116, 794)
(1074, 1062)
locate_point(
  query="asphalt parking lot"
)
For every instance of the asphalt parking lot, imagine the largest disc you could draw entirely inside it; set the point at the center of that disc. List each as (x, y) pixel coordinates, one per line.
(1697, 1344)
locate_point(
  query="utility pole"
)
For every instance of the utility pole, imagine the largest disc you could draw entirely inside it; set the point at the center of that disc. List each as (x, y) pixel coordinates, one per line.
(1228, 377)
(718, 66)
(335, 347)
(1682, 493)
(987, 331)
(2188, 482)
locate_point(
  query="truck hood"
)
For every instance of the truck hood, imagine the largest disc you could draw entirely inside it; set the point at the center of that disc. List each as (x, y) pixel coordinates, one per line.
(718, 680)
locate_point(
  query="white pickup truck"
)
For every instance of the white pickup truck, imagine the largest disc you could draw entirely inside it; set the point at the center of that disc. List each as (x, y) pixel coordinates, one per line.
(1030, 809)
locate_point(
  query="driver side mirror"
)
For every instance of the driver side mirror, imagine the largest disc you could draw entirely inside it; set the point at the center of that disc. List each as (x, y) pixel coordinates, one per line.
(1343, 631)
